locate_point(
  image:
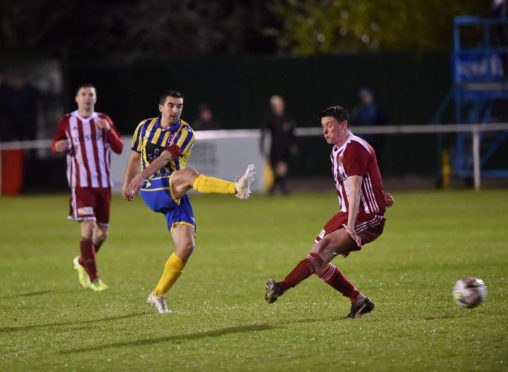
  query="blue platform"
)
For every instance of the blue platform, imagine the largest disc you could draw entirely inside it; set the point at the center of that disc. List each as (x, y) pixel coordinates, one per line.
(480, 85)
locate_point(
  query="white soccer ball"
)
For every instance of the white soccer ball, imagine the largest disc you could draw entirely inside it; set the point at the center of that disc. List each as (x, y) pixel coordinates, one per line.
(469, 292)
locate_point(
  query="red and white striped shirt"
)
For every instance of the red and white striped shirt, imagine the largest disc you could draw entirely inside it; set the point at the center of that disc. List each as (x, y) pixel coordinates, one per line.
(357, 158)
(88, 149)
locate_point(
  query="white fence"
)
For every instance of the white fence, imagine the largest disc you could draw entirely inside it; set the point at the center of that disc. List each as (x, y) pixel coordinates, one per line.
(474, 129)
(224, 153)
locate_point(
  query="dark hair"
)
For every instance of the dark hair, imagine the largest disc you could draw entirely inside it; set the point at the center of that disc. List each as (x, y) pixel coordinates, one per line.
(170, 93)
(85, 85)
(337, 112)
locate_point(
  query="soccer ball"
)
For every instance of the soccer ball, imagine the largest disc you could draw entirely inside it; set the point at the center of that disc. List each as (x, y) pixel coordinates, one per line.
(469, 292)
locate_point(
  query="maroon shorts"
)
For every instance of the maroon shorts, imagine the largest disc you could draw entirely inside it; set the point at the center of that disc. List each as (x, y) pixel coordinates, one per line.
(90, 203)
(368, 227)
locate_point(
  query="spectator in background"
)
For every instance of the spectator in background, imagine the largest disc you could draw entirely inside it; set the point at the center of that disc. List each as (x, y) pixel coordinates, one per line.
(23, 105)
(205, 120)
(369, 113)
(283, 142)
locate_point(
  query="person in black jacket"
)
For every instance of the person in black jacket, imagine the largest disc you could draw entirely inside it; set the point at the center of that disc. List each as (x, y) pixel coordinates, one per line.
(283, 142)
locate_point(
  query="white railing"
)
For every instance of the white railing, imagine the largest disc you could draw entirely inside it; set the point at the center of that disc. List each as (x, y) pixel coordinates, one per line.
(474, 129)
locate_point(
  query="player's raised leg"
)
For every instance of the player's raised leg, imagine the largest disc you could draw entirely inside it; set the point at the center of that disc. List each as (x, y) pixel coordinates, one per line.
(243, 184)
(183, 180)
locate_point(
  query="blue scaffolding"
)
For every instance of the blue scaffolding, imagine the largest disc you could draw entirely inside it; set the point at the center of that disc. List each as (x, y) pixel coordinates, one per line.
(480, 82)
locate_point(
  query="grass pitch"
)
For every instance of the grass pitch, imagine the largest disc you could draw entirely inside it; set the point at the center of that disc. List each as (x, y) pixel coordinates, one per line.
(221, 321)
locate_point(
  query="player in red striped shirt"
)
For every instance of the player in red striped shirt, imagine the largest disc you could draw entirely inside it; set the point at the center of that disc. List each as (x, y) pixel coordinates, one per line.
(88, 138)
(360, 219)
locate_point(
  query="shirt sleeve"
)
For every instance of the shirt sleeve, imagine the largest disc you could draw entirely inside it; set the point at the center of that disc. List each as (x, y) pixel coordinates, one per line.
(113, 136)
(185, 139)
(137, 138)
(356, 160)
(60, 132)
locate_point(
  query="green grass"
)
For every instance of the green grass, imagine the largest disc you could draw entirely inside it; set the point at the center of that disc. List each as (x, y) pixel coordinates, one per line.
(221, 321)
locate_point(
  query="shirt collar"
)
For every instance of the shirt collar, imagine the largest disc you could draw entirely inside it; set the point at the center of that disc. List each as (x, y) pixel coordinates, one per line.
(94, 114)
(173, 128)
(348, 139)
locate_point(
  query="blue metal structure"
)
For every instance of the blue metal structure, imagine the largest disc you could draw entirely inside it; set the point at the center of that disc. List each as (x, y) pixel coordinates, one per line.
(480, 80)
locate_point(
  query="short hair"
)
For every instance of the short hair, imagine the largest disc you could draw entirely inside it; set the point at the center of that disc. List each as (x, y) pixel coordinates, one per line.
(337, 112)
(170, 93)
(85, 85)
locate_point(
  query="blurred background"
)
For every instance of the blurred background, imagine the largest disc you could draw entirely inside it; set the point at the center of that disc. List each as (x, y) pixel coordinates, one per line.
(391, 63)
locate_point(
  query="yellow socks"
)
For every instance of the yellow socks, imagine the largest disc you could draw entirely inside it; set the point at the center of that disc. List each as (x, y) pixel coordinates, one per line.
(172, 270)
(206, 184)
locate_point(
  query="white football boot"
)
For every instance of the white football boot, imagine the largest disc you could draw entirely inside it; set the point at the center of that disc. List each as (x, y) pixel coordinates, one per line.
(243, 184)
(159, 302)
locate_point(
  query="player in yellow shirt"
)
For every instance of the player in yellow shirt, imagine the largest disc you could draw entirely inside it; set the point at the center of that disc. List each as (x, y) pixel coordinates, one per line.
(161, 147)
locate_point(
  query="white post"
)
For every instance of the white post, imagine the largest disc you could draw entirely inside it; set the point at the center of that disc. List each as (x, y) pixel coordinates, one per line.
(476, 158)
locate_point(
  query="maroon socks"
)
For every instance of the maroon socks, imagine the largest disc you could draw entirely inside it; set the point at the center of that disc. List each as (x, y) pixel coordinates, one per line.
(336, 279)
(331, 275)
(87, 259)
(305, 268)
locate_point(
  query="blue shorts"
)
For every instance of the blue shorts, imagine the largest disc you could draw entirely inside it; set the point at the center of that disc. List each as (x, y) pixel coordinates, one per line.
(157, 194)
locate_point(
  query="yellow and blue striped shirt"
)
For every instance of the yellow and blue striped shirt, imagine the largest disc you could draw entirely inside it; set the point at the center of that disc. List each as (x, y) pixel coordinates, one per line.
(150, 140)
